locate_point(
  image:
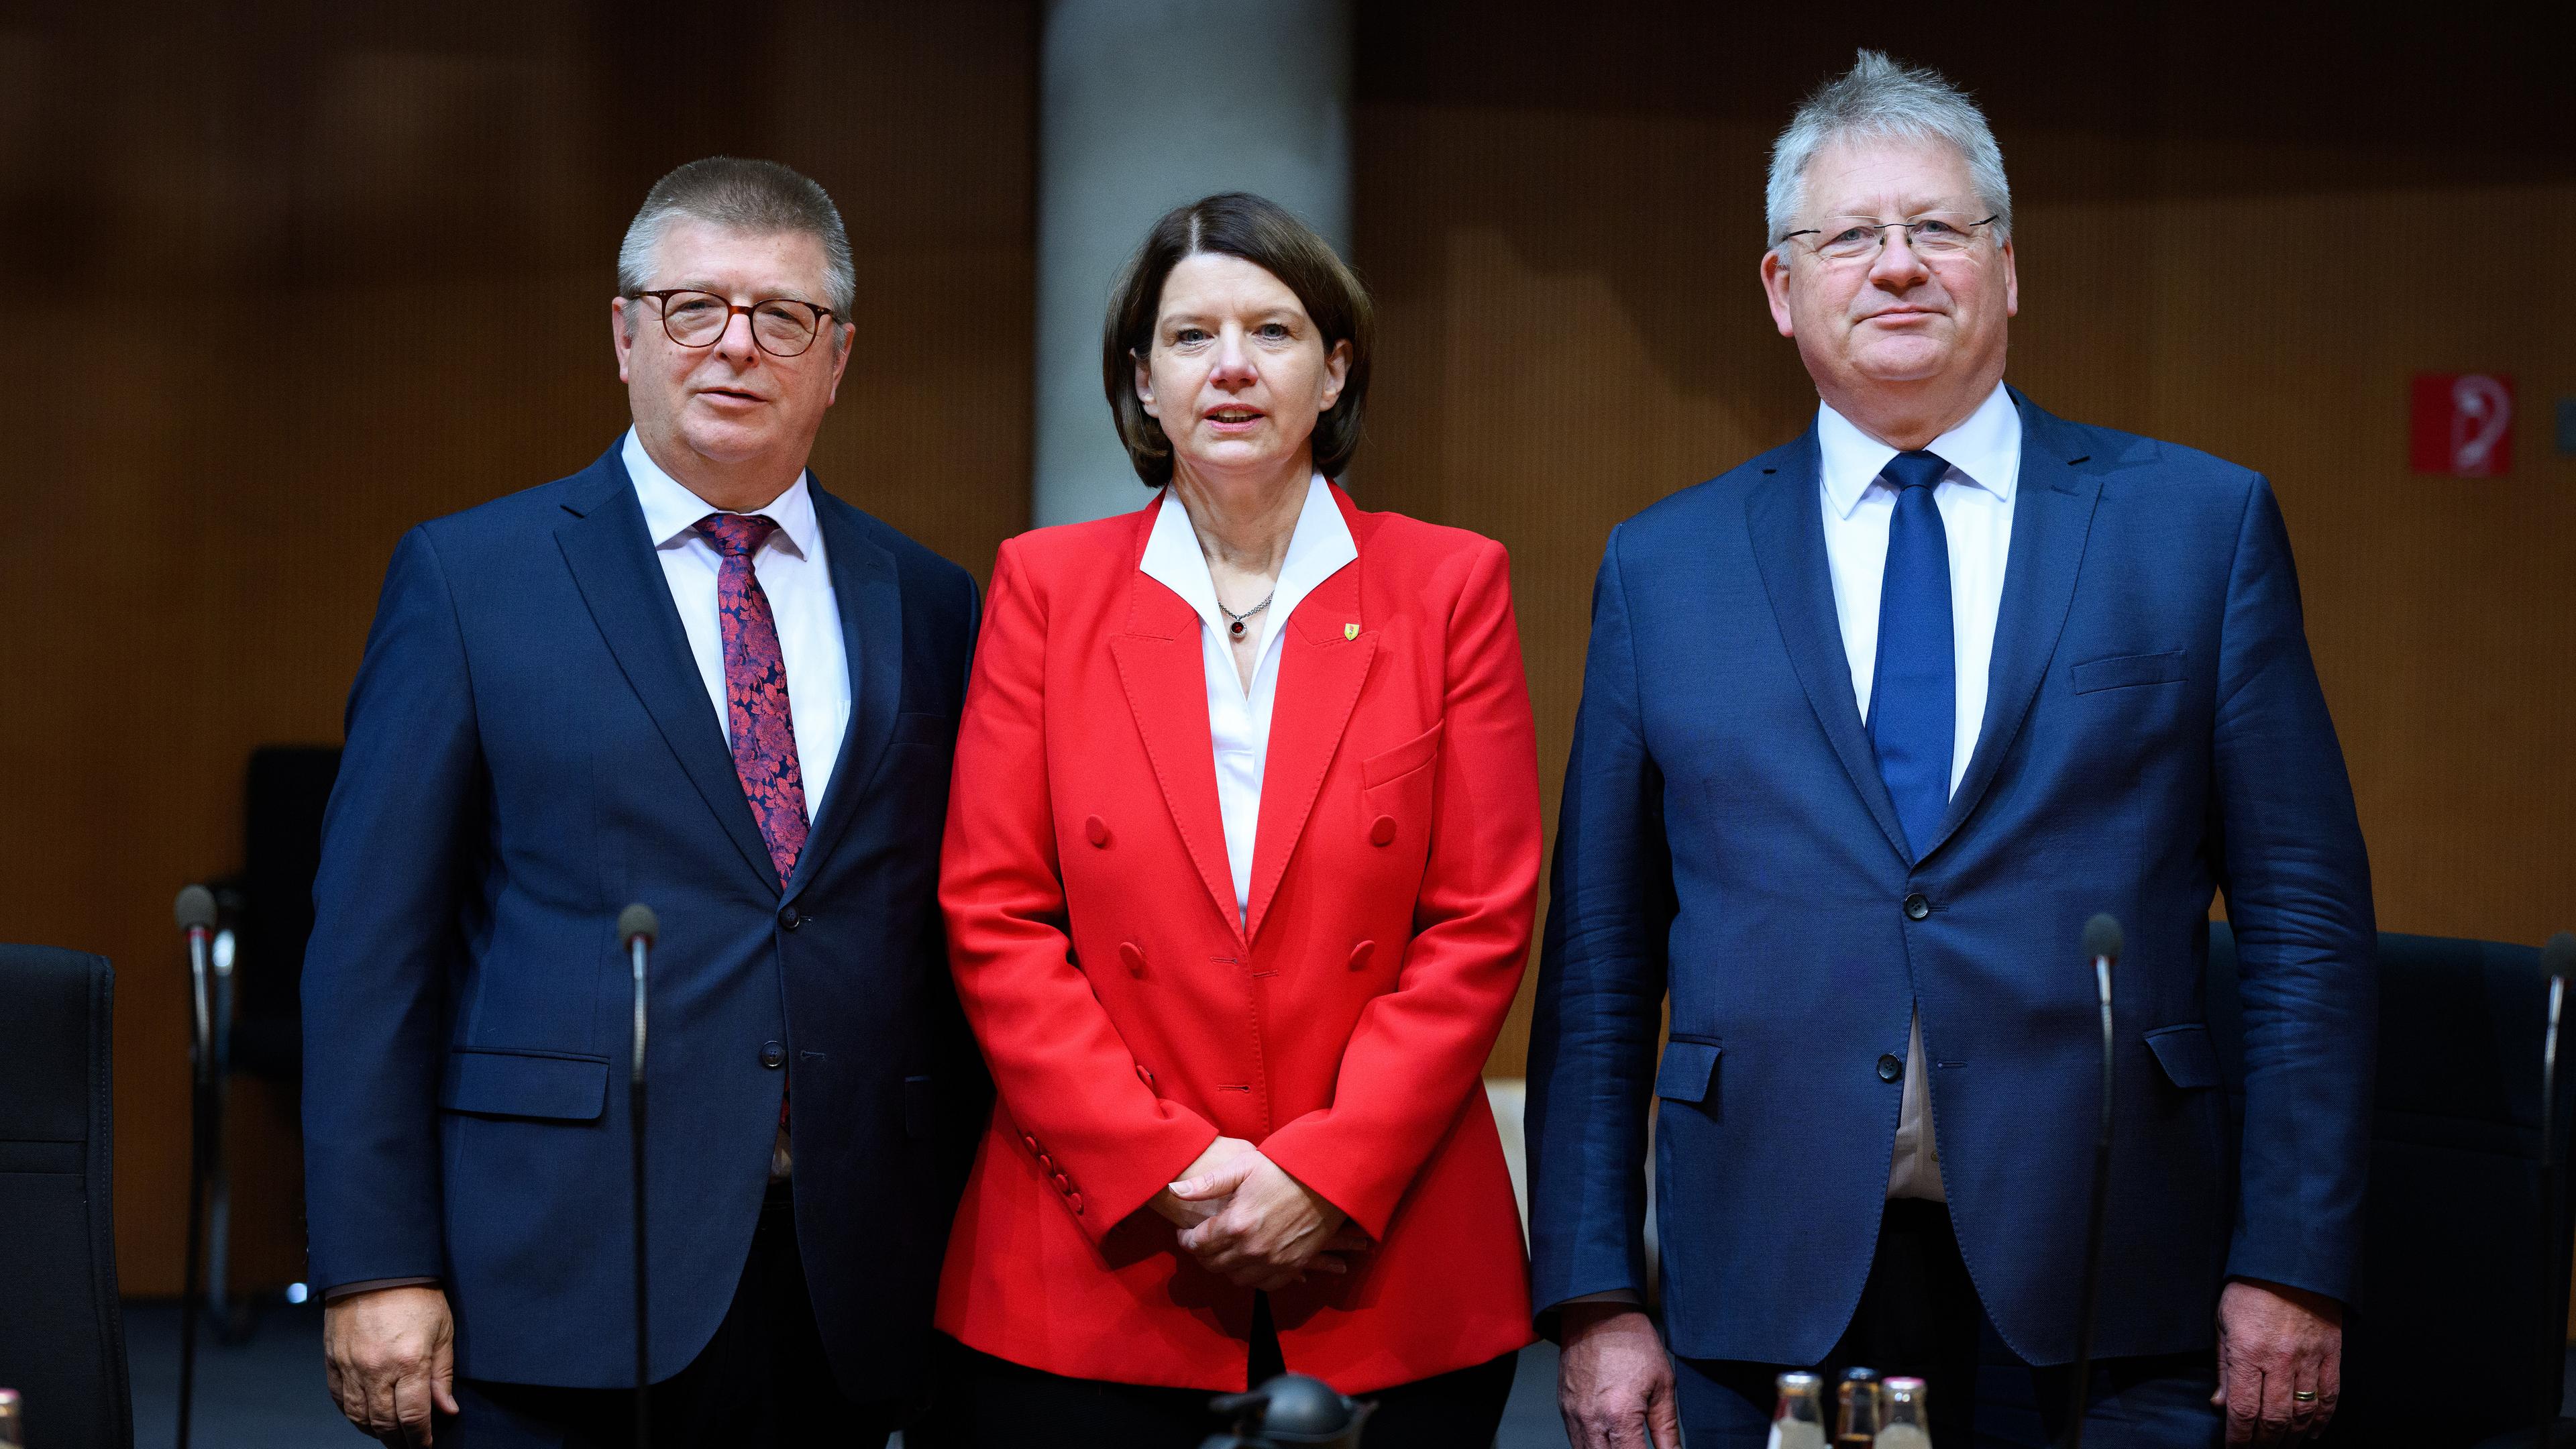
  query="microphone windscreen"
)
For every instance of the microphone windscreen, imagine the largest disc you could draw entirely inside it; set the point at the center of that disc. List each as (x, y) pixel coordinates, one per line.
(2558, 958)
(2102, 938)
(196, 909)
(636, 921)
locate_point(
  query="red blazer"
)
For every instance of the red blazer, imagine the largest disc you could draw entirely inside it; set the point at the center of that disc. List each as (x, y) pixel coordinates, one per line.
(1129, 1019)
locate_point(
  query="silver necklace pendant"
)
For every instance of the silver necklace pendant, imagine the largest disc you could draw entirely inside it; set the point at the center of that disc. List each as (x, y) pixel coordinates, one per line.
(1234, 621)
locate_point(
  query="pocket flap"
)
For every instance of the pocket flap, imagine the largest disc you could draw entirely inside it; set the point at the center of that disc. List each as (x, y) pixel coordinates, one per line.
(2186, 1054)
(525, 1084)
(1687, 1067)
(2125, 670)
(1405, 758)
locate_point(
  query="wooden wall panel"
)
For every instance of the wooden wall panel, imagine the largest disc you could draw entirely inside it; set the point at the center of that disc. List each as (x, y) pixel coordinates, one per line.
(293, 277)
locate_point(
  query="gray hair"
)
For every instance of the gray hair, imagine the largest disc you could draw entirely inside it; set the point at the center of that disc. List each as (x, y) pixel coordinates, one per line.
(1879, 98)
(762, 197)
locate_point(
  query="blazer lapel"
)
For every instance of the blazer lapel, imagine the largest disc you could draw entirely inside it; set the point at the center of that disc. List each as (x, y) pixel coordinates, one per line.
(1321, 669)
(611, 558)
(1163, 668)
(2052, 518)
(1788, 528)
(868, 594)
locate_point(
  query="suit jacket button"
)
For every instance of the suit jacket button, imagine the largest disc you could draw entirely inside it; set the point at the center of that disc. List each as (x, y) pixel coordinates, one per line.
(1891, 1069)
(1382, 830)
(773, 1054)
(1132, 957)
(1916, 908)
(788, 917)
(1061, 1185)
(1096, 830)
(1361, 953)
(1032, 1142)
(1144, 1075)
(1075, 1202)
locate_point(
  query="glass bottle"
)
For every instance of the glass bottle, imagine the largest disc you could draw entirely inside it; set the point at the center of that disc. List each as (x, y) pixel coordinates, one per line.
(1909, 1418)
(13, 1430)
(1864, 1408)
(1799, 1421)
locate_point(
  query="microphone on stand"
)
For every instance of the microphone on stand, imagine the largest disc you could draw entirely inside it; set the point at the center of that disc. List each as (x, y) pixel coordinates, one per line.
(195, 911)
(2102, 942)
(637, 929)
(2558, 962)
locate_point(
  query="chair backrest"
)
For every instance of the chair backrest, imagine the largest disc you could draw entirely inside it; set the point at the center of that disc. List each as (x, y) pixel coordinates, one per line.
(62, 1339)
(2443, 1346)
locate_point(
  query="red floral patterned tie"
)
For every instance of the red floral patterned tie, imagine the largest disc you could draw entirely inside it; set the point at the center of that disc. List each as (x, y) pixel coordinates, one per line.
(756, 708)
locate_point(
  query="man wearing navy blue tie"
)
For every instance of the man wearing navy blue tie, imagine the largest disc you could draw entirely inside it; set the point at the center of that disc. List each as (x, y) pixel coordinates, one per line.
(1871, 726)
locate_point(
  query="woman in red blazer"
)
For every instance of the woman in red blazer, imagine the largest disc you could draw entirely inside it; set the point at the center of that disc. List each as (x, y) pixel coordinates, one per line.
(1239, 872)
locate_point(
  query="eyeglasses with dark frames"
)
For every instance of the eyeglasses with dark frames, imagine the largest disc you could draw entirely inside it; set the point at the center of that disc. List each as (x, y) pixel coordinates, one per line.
(1855, 238)
(780, 326)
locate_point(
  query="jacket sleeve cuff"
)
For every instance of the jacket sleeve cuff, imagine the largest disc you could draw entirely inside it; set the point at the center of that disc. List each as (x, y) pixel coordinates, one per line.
(369, 1285)
(1100, 1201)
(1369, 1204)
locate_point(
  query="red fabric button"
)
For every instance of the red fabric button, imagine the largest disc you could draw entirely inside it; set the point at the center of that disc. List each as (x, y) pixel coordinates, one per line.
(1133, 957)
(1033, 1143)
(1361, 953)
(1143, 1075)
(1096, 830)
(1075, 1202)
(1061, 1185)
(1382, 830)
(1046, 1163)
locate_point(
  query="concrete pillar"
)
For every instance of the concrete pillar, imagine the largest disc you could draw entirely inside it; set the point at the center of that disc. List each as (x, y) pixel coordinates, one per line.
(1144, 105)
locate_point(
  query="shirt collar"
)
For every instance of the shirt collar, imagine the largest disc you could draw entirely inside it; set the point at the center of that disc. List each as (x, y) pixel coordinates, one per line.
(1984, 450)
(1318, 549)
(671, 511)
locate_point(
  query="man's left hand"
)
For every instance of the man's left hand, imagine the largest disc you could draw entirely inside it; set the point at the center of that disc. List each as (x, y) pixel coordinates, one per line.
(1273, 1229)
(2275, 1343)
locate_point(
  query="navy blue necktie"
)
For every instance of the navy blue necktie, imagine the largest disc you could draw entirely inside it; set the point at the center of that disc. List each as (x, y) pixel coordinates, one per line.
(1914, 693)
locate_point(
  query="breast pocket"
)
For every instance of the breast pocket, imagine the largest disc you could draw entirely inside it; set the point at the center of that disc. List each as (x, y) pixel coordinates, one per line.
(1395, 795)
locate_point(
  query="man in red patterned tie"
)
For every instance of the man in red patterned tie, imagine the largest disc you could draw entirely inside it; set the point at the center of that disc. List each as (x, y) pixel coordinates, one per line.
(687, 676)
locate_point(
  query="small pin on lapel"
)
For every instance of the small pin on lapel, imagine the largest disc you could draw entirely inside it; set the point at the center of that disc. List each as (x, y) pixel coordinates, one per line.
(1350, 631)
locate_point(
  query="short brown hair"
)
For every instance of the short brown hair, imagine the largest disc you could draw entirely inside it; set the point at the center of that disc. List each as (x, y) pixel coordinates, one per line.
(1266, 234)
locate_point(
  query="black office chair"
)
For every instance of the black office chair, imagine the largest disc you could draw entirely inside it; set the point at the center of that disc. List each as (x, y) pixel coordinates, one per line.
(2442, 1349)
(62, 1339)
(257, 1015)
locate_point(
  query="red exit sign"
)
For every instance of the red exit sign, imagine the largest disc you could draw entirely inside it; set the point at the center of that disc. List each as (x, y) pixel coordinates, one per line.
(2463, 424)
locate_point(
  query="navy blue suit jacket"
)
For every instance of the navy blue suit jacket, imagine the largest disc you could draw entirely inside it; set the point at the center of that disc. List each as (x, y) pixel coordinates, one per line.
(2154, 731)
(531, 747)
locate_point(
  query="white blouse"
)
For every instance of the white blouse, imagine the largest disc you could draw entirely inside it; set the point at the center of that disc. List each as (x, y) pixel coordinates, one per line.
(1239, 718)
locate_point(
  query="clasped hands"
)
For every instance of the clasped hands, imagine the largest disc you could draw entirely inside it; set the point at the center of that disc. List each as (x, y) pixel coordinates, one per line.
(1247, 1221)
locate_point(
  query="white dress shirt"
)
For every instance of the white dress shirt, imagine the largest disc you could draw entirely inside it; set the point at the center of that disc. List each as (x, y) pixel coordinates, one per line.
(1976, 501)
(796, 576)
(1239, 718)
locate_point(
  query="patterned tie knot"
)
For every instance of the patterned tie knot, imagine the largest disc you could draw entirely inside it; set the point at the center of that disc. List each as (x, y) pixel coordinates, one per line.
(740, 535)
(1917, 469)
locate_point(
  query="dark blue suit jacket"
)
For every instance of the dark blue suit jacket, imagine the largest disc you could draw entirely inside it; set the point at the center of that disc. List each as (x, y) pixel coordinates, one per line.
(2154, 731)
(531, 747)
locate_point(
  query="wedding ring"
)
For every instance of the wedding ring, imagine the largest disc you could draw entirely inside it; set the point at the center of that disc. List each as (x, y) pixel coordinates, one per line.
(2304, 1396)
